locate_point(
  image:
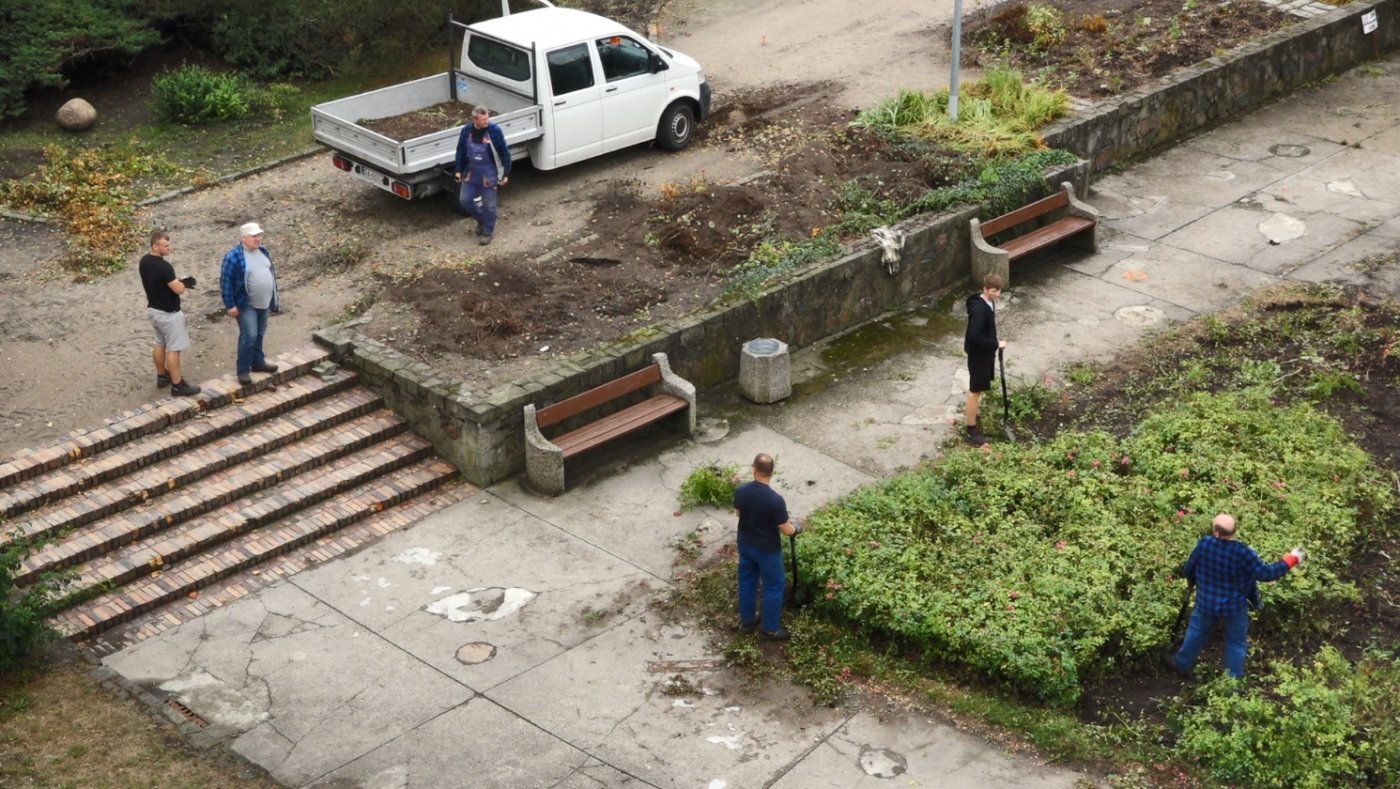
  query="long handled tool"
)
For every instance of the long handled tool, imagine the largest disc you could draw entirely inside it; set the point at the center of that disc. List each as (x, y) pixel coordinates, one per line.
(1005, 398)
(796, 598)
(1177, 635)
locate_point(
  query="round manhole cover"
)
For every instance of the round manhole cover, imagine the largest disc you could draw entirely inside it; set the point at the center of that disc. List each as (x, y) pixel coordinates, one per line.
(475, 652)
(1290, 150)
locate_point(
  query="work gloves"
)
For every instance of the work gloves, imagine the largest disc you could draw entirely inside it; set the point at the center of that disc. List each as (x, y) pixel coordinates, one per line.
(797, 527)
(1295, 557)
(187, 281)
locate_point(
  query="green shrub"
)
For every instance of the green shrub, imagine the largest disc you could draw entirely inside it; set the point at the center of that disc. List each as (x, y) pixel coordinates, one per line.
(42, 36)
(712, 484)
(196, 95)
(22, 627)
(1040, 565)
(1324, 724)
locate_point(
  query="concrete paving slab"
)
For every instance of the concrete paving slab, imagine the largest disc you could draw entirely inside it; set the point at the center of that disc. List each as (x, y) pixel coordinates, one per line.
(1387, 142)
(866, 752)
(447, 590)
(1287, 152)
(631, 514)
(1301, 238)
(1194, 177)
(1186, 279)
(1375, 173)
(1230, 235)
(1123, 208)
(1304, 194)
(475, 744)
(1342, 115)
(318, 690)
(1368, 261)
(609, 697)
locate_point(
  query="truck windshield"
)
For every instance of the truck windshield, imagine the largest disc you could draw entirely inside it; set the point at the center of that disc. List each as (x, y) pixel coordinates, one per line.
(499, 59)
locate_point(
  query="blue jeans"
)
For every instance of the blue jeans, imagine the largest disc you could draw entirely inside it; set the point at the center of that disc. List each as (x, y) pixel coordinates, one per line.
(766, 569)
(1236, 640)
(252, 327)
(474, 186)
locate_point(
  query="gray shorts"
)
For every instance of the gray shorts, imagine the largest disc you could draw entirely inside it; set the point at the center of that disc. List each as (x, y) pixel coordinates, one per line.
(170, 329)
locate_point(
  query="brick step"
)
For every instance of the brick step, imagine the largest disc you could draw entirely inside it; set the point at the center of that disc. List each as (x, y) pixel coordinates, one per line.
(187, 539)
(151, 418)
(185, 453)
(219, 489)
(175, 581)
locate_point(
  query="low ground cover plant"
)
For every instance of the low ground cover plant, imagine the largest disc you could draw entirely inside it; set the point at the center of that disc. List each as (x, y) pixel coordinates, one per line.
(1236, 396)
(93, 192)
(198, 95)
(1328, 722)
(1041, 565)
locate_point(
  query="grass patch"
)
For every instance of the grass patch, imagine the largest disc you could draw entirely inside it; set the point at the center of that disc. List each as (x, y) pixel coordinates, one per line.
(53, 718)
(998, 116)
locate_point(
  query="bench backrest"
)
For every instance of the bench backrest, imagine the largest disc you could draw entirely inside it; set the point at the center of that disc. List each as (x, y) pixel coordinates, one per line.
(597, 396)
(1023, 214)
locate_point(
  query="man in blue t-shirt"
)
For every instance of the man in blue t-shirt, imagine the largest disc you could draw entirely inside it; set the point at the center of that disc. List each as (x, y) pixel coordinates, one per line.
(763, 518)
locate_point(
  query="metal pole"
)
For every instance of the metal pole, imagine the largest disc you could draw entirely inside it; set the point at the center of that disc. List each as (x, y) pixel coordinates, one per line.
(957, 57)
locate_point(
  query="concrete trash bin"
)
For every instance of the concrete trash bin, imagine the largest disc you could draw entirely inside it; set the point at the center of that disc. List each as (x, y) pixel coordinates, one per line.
(765, 375)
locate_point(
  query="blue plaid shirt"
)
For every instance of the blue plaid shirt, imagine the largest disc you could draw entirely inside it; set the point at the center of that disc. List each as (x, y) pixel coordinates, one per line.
(233, 279)
(1224, 572)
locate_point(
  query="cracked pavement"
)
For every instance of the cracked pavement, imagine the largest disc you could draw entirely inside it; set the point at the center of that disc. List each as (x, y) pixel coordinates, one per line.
(341, 677)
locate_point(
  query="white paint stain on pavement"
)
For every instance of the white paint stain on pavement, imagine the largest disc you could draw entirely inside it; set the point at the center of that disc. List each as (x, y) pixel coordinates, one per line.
(482, 604)
(214, 701)
(441, 589)
(1281, 228)
(1345, 187)
(731, 742)
(382, 583)
(421, 556)
(718, 783)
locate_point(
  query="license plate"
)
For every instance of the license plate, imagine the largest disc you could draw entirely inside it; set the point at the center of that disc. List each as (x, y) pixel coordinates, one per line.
(373, 176)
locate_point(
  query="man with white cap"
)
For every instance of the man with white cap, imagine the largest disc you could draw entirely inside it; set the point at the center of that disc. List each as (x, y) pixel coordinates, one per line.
(248, 281)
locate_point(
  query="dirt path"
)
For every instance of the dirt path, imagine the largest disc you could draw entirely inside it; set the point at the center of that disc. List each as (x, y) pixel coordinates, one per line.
(74, 354)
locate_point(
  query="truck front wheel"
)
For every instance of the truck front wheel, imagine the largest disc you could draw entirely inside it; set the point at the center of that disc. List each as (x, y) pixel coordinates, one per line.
(677, 127)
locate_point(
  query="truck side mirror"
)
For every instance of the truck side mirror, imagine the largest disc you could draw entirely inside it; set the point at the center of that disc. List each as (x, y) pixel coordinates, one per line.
(657, 64)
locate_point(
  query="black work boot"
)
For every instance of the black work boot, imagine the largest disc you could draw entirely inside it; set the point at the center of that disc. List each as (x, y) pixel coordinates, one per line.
(974, 436)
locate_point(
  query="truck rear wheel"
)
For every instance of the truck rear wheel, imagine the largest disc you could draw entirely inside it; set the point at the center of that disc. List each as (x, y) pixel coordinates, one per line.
(677, 127)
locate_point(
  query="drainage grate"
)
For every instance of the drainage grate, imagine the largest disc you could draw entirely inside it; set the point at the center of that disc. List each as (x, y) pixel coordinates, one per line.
(187, 712)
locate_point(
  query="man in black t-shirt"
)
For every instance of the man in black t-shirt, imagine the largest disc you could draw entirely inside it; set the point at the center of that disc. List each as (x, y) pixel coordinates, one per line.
(163, 291)
(763, 518)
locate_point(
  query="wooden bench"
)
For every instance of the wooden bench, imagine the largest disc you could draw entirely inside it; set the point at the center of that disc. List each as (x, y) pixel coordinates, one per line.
(1076, 222)
(544, 457)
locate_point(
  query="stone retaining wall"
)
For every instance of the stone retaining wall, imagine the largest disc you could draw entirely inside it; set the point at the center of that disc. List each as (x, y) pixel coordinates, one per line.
(482, 432)
(1220, 88)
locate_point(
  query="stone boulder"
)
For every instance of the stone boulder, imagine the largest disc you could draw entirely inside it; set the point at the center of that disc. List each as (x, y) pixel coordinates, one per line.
(76, 115)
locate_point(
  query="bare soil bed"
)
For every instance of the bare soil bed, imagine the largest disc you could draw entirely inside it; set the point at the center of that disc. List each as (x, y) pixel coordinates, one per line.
(1096, 48)
(444, 115)
(649, 257)
(646, 259)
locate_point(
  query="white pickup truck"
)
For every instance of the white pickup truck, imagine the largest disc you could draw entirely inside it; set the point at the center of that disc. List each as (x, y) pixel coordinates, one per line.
(563, 85)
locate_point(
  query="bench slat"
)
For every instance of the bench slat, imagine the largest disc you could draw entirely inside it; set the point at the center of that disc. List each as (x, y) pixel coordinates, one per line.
(595, 397)
(1045, 236)
(618, 424)
(1024, 214)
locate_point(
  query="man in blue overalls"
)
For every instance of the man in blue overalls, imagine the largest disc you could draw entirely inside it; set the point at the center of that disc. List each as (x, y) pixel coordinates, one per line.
(483, 163)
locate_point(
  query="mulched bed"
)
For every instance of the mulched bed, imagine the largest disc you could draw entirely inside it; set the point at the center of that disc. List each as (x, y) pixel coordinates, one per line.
(446, 115)
(1096, 48)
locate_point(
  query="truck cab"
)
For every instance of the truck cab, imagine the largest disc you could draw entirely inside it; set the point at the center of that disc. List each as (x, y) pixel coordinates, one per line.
(601, 86)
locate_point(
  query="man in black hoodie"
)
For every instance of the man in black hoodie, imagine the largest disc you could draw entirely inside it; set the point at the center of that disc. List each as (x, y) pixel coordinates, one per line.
(981, 345)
